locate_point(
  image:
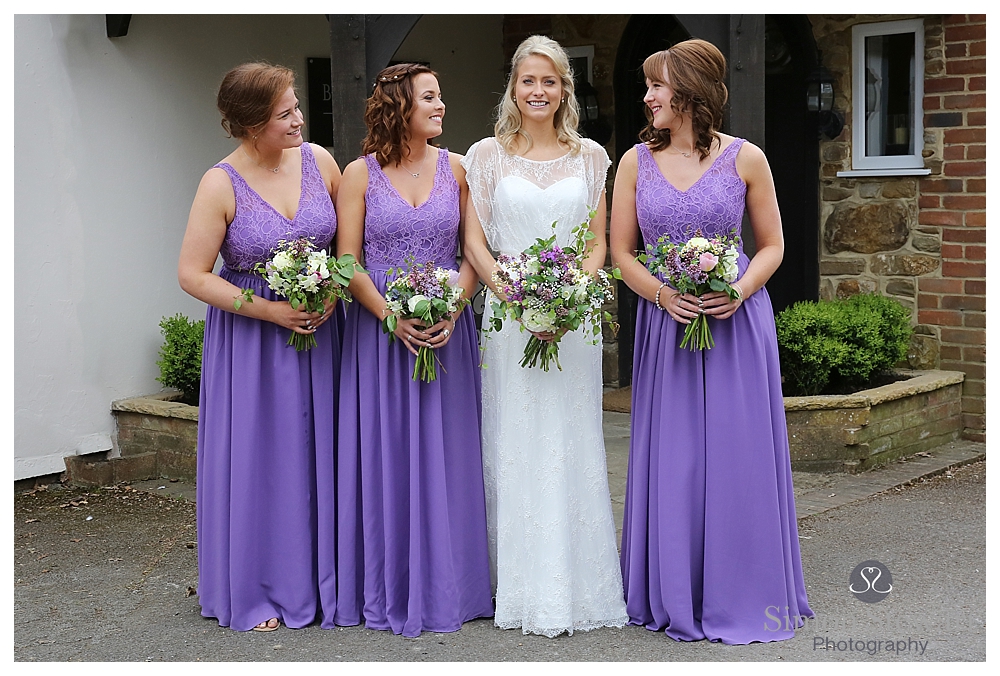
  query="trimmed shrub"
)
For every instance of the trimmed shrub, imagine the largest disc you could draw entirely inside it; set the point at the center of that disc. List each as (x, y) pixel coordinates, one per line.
(840, 346)
(180, 356)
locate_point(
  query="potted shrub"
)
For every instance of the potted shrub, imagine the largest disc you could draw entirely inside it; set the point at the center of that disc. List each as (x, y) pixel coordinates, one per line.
(180, 356)
(847, 405)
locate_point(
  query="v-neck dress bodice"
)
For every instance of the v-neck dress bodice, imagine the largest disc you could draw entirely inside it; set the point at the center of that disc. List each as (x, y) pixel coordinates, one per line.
(713, 204)
(257, 226)
(396, 230)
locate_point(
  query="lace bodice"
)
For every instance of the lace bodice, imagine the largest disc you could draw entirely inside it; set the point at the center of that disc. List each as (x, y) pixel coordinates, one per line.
(714, 204)
(257, 227)
(517, 199)
(395, 229)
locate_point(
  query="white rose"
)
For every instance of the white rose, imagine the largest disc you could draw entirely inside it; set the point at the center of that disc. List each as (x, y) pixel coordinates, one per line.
(282, 260)
(537, 321)
(412, 303)
(699, 242)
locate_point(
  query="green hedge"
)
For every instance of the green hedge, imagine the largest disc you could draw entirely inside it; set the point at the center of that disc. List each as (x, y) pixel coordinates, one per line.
(840, 346)
(180, 356)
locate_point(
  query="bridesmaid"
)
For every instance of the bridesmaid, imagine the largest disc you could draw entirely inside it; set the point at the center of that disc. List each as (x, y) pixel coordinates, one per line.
(412, 553)
(710, 547)
(265, 434)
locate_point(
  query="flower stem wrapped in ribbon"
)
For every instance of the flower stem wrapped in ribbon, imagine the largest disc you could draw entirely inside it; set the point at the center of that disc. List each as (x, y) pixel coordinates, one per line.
(698, 266)
(307, 277)
(426, 292)
(548, 291)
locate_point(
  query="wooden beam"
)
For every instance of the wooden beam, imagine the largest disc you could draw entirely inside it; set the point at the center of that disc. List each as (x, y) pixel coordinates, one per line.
(746, 77)
(360, 46)
(348, 84)
(117, 24)
(384, 33)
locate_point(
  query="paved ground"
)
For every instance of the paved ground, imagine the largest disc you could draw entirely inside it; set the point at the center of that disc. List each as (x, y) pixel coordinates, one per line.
(109, 575)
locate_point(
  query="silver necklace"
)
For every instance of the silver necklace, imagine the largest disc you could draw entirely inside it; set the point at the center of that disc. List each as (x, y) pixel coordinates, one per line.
(416, 175)
(275, 170)
(684, 153)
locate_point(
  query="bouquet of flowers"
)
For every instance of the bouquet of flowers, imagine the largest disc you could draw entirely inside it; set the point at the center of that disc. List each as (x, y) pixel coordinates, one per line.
(548, 290)
(307, 277)
(698, 266)
(428, 293)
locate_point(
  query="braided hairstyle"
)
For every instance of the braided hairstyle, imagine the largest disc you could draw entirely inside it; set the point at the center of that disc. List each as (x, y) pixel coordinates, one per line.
(387, 112)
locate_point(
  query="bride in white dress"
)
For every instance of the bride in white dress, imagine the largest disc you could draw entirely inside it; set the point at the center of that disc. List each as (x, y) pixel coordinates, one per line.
(552, 536)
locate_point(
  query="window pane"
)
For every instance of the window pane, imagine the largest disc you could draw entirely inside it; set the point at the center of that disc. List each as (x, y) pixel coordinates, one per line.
(889, 90)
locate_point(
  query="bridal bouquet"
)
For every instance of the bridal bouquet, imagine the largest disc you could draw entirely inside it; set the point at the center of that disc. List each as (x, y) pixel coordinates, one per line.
(548, 290)
(307, 277)
(698, 266)
(428, 293)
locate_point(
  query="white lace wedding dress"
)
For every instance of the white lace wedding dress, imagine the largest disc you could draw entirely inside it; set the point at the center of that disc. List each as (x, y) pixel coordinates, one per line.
(551, 531)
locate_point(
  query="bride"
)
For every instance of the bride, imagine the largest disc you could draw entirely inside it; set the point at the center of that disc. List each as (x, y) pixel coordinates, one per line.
(552, 537)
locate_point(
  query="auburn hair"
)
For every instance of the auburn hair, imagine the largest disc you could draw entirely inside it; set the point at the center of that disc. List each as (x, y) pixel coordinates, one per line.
(387, 112)
(248, 94)
(697, 70)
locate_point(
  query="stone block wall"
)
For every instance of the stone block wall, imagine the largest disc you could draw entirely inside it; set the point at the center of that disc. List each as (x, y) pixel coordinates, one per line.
(920, 240)
(857, 432)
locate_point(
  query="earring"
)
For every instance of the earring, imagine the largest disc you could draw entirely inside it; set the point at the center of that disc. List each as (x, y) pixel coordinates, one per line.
(514, 99)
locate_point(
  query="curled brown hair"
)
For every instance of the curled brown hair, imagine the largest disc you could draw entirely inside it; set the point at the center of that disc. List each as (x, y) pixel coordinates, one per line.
(247, 96)
(697, 70)
(387, 112)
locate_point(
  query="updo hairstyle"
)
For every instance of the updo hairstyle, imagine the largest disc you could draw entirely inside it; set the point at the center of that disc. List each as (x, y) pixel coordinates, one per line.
(248, 94)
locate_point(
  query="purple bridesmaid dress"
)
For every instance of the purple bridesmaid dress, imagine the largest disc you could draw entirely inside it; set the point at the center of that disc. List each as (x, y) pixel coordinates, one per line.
(412, 553)
(266, 434)
(709, 543)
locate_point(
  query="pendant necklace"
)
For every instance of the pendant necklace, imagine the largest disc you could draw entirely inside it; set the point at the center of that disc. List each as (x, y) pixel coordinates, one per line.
(275, 170)
(416, 175)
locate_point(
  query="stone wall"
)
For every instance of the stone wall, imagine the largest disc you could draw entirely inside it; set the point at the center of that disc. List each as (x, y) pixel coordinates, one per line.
(156, 436)
(920, 240)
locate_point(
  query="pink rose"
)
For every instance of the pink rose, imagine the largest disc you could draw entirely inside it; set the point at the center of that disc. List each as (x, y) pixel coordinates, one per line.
(707, 261)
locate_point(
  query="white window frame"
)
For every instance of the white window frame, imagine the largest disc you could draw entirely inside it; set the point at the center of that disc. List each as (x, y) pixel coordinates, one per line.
(886, 165)
(587, 51)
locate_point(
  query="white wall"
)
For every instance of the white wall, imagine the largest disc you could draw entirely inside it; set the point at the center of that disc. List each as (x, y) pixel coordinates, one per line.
(467, 53)
(111, 137)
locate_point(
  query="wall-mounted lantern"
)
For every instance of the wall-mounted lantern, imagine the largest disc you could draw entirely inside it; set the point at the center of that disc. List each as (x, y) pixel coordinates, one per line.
(819, 99)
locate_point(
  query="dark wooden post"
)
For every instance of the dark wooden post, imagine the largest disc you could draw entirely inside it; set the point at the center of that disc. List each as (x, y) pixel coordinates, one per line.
(348, 84)
(360, 46)
(746, 89)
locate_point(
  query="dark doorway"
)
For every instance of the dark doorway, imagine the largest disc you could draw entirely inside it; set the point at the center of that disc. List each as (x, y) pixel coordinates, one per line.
(643, 35)
(792, 146)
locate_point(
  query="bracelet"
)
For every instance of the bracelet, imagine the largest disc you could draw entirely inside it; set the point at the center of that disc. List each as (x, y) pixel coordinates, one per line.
(739, 290)
(656, 300)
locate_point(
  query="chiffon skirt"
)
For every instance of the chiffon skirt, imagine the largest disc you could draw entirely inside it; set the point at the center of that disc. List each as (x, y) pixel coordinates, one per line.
(265, 499)
(710, 547)
(412, 552)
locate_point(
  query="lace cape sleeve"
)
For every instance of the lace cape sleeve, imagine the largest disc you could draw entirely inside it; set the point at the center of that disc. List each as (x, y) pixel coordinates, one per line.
(596, 164)
(482, 174)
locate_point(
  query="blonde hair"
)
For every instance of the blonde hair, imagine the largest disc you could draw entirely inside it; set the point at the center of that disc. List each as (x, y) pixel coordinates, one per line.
(567, 117)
